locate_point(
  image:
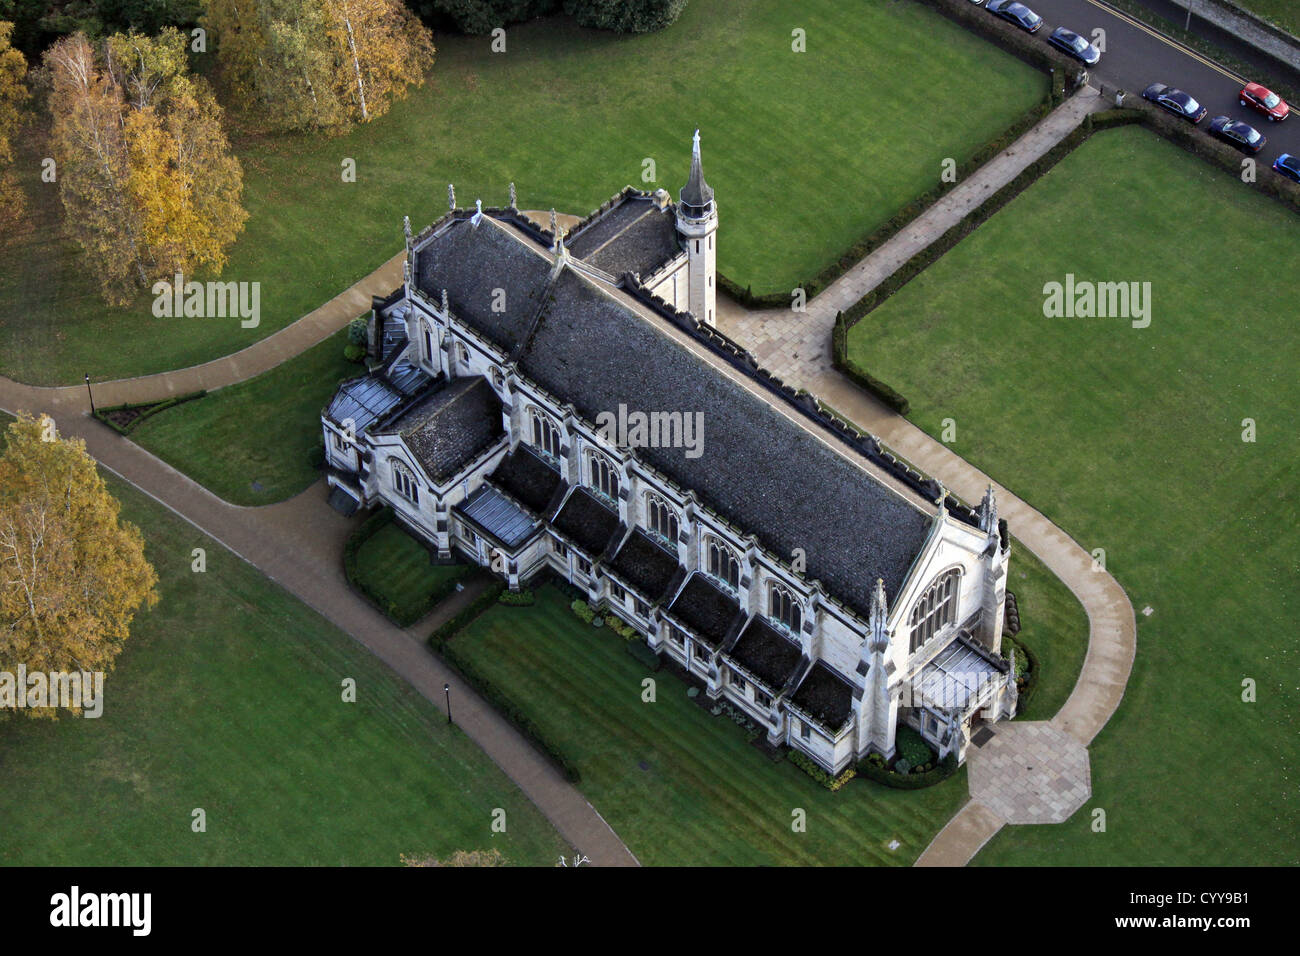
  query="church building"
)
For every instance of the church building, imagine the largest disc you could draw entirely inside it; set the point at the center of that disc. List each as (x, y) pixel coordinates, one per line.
(540, 399)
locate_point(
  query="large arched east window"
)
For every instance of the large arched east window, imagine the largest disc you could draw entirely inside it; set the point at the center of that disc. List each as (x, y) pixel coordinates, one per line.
(935, 609)
(661, 519)
(546, 435)
(404, 482)
(783, 607)
(604, 476)
(721, 563)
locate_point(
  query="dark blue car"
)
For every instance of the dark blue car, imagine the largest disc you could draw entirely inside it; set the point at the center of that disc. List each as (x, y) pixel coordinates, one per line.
(1236, 133)
(1017, 13)
(1074, 45)
(1175, 101)
(1288, 166)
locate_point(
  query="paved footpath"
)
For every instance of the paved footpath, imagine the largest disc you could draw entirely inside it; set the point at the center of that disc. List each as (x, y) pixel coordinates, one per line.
(1028, 771)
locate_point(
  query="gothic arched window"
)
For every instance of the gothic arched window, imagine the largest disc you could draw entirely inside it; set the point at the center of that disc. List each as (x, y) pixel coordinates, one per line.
(604, 476)
(721, 562)
(935, 609)
(404, 482)
(546, 435)
(661, 519)
(783, 607)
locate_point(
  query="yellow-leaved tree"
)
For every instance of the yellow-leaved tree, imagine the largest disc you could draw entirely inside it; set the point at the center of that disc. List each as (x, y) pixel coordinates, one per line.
(149, 184)
(13, 99)
(72, 573)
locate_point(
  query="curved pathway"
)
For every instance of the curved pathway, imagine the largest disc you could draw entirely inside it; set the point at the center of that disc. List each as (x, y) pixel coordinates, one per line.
(297, 542)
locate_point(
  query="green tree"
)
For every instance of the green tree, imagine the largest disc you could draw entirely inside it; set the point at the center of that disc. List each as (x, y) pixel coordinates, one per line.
(625, 16)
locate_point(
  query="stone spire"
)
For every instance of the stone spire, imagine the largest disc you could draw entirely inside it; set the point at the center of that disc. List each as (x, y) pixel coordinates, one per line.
(445, 310)
(879, 641)
(406, 228)
(989, 511)
(478, 213)
(557, 245)
(512, 196)
(451, 197)
(697, 194)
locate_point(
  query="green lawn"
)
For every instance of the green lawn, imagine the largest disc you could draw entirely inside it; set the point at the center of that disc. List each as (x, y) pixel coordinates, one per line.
(262, 430)
(680, 786)
(1282, 13)
(228, 698)
(1131, 440)
(1055, 628)
(397, 568)
(794, 143)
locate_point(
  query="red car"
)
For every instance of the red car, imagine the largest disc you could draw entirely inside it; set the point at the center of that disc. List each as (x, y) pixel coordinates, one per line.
(1264, 100)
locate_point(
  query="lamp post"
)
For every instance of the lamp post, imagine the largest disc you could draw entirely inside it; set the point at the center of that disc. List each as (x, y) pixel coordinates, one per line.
(90, 393)
(446, 688)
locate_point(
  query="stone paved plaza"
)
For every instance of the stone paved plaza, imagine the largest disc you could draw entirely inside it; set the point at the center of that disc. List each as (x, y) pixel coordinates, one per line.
(1029, 773)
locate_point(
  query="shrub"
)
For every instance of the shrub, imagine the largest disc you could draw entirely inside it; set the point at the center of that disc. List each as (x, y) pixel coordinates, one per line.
(583, 610)
(625, 16)
(358, 331)
(354, 353)
(810, 767)
(316, 456)
(642, 652)
(911, 746)
(523, 598)
(874, 770)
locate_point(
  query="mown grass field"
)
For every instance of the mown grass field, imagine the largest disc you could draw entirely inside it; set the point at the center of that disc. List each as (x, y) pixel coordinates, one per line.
(1132, 441)
(228, 698)
(1282, 13)
(395, 566)
(680, 786)
(807, 152)
(1055, 628)
(260, 431)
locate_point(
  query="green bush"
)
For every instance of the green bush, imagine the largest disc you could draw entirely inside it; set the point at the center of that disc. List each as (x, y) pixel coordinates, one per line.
(583, 610)
(625, 16)
(523, 598)
(809, 766)
(911, 746)
(354, 353)
(870, 769)
(358, 331)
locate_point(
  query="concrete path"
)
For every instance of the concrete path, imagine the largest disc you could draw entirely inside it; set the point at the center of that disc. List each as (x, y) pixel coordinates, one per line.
(1014, 773)
(299, 544)
(789, 343)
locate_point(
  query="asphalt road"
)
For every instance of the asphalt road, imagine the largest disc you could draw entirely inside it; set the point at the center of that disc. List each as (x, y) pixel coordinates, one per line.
(1135, 57)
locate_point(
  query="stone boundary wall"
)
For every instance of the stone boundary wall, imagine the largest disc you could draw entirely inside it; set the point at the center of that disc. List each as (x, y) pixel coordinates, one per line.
(1247, 27)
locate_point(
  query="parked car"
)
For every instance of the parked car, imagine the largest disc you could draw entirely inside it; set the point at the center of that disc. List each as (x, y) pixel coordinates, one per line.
(1015, 12)
(1288, 166)
(1175, 101)
(1074, 45)
(1265, 101)
(1236, 133)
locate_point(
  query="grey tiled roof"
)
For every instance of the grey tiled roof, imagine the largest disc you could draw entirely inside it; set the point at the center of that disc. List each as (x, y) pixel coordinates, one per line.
(645, 565)
(587, 522)
(825, 696)
(527, 478)
(471, 263)
(450, 425)
(758, 469)
(766, 653)
(497, 515)
(634, 236)
(706, 609)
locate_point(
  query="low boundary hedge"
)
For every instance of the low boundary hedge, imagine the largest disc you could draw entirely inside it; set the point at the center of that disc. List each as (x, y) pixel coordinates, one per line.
(369, 528)
(909, 781)
(149, 409)
(1031, 679)
(441, 643)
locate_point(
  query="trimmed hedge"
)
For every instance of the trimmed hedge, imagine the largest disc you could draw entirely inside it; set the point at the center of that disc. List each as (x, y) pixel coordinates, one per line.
(449, 628)
(809, 766)
(841, 362)
(908, 781)
(369, 528)
(148, 410)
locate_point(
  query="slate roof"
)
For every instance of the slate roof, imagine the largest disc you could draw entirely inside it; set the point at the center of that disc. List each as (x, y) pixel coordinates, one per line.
(634, 236)
(587, 522)
(766, 653)
(497, 515)
(645, 565)
(471, 263)
(825, 696)
(450, 425)
(696, 194)
(760, 470)
(706, 609)
(528, 479)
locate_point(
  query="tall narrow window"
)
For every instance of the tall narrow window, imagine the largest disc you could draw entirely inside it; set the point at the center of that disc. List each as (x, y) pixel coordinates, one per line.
(404, 483)
(935, 609)
(661, 519)
(546, 436)
(783, 607)
(604, 476)
(721, 563)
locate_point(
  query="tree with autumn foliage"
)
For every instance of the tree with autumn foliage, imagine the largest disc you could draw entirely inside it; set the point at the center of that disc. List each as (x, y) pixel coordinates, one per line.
(149, 184)
(13, 98)
(490, 857)
(72, 573)
(318, 64)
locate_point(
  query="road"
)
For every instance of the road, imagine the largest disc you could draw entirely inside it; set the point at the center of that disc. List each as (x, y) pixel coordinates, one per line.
(1136, 56)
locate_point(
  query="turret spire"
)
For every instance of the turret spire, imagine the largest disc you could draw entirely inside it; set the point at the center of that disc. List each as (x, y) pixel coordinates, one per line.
(696, 195)
(879, 617)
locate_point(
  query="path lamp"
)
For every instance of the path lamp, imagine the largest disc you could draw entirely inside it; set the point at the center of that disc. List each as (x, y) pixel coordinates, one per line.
(446, 689)
(90, 393)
